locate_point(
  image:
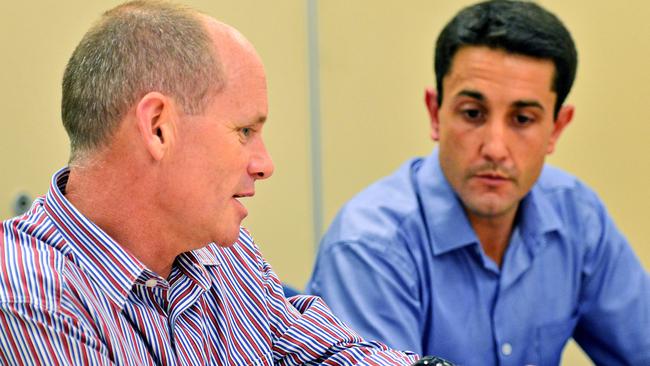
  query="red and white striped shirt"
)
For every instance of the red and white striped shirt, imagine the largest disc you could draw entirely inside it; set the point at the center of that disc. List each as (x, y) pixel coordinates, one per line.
(70, 295)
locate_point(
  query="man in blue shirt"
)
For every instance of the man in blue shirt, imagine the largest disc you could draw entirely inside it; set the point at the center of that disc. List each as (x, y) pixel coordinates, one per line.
(479, 252)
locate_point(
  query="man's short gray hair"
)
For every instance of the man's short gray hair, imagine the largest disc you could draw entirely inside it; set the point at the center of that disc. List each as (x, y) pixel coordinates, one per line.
(136, 48)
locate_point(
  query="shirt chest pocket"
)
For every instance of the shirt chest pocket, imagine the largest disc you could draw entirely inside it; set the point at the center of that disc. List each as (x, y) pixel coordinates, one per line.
(551, 339)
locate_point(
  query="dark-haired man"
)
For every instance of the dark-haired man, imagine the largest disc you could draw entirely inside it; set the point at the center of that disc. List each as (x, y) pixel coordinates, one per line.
(479, 252)
(136, 256)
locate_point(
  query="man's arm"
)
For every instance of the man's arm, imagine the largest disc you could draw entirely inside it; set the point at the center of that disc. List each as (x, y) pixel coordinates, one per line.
(614, 327)
(305, 331)
(31, 335)
(371, 287)
(337, 344)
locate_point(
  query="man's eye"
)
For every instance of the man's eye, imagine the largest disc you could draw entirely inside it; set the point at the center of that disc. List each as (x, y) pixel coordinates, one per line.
(472, 114)
(521, 119)
(246, 131)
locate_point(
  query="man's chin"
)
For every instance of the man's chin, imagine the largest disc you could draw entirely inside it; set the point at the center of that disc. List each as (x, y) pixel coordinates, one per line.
(229, 239)
(491, 209)
(489, 205)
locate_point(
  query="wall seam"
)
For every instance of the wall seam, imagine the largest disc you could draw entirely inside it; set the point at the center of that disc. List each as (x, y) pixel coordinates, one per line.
(315, 120)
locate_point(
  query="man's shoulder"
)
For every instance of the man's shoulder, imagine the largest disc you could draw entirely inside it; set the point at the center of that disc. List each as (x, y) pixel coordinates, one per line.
(561, 184)
(380, 210)
(552, 177)
(32, 260)
(577, 208)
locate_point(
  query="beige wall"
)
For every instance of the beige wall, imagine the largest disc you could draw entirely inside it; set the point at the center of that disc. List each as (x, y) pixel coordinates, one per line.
(375, 62)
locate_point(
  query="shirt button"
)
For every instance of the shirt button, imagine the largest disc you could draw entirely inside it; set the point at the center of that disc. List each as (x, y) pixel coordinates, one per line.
(506, 349)
(151, 283)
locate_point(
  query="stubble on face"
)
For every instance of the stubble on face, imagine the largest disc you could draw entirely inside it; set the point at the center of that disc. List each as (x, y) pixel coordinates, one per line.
(489, 159)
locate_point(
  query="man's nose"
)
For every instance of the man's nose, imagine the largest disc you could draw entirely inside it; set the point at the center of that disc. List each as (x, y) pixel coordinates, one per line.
(495, 144)
(261, 165)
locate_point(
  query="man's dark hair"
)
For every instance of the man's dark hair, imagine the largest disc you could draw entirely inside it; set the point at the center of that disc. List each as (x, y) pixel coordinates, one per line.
(518, 27)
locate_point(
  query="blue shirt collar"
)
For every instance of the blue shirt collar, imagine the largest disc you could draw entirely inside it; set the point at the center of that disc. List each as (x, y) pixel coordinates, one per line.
(444, 214)
(538, 215)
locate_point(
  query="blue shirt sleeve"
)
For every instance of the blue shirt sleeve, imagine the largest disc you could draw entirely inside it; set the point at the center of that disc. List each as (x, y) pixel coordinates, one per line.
(362, 276)
(614, 323)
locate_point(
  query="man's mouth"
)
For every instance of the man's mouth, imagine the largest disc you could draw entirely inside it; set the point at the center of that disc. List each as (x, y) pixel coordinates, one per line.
(493, 179)
(244, 195)
(238, 196)
(493, 175)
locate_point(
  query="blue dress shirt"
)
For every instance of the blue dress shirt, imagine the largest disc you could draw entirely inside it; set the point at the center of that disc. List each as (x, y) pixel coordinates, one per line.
(402, 264)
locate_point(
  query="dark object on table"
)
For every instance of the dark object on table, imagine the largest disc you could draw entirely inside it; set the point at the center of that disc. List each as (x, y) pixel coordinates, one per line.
(432, 361)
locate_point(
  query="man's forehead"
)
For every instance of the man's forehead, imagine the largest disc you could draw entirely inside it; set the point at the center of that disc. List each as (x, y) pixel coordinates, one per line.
(225, 37)
(235, 53)
(485, 70)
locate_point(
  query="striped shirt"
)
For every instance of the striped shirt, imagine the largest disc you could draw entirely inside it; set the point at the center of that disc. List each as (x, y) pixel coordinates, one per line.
(70, 295)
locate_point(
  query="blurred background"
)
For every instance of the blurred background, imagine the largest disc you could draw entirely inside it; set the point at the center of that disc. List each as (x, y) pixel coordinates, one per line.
(346, 89)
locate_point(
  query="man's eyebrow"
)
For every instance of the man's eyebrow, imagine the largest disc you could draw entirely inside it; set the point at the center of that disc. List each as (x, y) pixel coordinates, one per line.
(528, 103)
(472, 94)
(260, 120)
(524, 103)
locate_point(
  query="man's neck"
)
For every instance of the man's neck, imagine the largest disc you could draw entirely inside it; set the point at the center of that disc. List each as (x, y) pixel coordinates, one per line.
(494, 233)
(118, 206)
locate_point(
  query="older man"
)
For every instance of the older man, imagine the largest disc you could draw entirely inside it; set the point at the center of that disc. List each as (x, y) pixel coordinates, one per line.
(135, 256)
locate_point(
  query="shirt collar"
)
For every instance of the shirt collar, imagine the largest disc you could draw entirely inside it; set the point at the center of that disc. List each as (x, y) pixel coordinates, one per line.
(207, 255)
(445, 216)
(193, 265)
(105, 262)
(538, 216)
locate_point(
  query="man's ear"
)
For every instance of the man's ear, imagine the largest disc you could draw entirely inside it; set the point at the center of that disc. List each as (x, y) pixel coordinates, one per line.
(431, 101)
(564, 117)
(156, 118)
